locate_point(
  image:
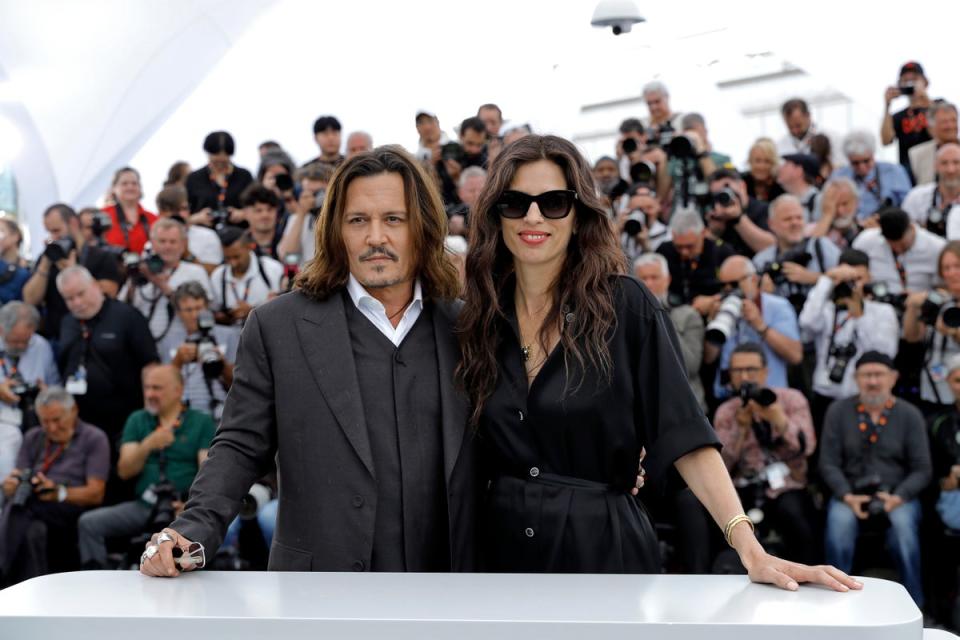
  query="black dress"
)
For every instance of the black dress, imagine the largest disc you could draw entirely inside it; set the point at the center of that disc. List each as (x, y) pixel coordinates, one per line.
(561, 466)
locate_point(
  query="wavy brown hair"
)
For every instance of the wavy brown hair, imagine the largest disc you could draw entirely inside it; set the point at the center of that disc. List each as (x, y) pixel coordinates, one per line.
(330, 267)
(584, 283)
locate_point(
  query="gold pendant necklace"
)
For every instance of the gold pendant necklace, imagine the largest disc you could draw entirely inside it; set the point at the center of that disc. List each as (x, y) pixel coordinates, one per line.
(525, 350)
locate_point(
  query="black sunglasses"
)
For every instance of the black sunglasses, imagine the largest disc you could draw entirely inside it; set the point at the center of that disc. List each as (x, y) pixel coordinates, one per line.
(552, 204)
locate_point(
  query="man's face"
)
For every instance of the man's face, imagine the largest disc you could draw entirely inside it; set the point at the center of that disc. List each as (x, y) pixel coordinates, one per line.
(950, 272)
(470, 190)
(735, 273)
(606, 172)
(161, 392)
(653, 276)
(55, 226)
(86, 226)
(376, 231)
(689, 245)
(18, 338)
(945, 126)
(948, 166)
(645, 200)
(903, 245)
(875, 382)
(491, 119)
(787, 224)
(658, 105)
(735, 207)
(861, 164)
(219, 162)
(169, 244)
(472, 142)
(237, 255)
(846, 203)
(357, 143)
(83, 299)
(747, 367)
(429, 129)
(789, 173)
(329, 142)
(261, 217)
(798, 123)
(189, 310)
(58, 423)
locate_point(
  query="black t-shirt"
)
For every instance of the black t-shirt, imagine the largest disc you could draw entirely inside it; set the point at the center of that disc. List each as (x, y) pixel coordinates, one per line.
(101, 264)
(910, 126)
(203, 192)
(757, 212)
(697, 277)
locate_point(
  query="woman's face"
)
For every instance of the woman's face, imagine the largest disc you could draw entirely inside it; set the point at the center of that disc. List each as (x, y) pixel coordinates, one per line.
(127, 187)
(950, 268)
(533, 239)
(761, 165)
(270, 175)
(219, 162)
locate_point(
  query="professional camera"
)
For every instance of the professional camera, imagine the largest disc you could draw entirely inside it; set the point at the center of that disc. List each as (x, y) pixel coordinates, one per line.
(27, 391)
(880, 292)
(58, 250)
(761, 395)
(166, 493)
(100, 224)
(932, 307)
(208, 355)
(681, 148)
(635, 222)
(221, 218)
(643, 172)
(725, 197)
(24, 489)
(906, 89)
(774, 269)
(132, 262)
(841, 354)
(724, 324)
(870, 485)
(452, 151)
(256, 499)
(629, 145)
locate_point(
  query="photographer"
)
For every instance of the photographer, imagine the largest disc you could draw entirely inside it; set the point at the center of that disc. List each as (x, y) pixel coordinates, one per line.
(945, 450)
(843, 325)
(244, 281)
(297, 244)
(735, 218)
(62, 470)
(694, 261)
(261, 206)
(875, 460)
(163, 446)
(903, 255)
(639, 223)
(469, 187)
(66, 247)
(129, 222)
(213, 191)
(798, 175)
(692, 157)
(202, 350)
(610, 186)
(203, 245)
(838, 215)
(27, 365)
(908, 126)
(932, 318)
(767, 435)
(154, 281)
(880, 184)
(933, 205)
(327, 132)
(942, 116)
(454, 158)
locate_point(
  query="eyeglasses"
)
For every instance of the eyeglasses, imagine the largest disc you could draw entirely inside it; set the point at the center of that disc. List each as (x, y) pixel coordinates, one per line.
(552, 204)
(855, 162)
(744, 370)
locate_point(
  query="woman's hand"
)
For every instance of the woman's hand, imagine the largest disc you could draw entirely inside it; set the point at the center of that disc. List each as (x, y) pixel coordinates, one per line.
(767, 569)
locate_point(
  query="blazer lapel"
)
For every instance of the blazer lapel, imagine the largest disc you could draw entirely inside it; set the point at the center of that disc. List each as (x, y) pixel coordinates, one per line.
(453, 405)
(325, 341)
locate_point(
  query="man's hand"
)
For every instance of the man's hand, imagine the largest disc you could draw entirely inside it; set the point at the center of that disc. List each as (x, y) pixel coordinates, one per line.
(45, 488)
(890, 500)
(160, 563)
(915, 300)
(161, 438)
(237, 215)
(889, 95)
(744, 418)
(202, 217)
(6, 395)
(241, 310)
(842, 273)
(856, 504)
(796, 274)
(775, 415)
(69, 261)
(187, 352)
(706, 305)
(751, 313)
(10, 483)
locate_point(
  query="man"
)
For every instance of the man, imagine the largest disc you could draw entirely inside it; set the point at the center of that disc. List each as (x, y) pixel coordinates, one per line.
(261, 206)
(639, 222)
(630, 129)
(794, 263)
(843, 325)
(945, 450)
(66, 461)
(800, 128)
(473, 153)
(931, 205)
(63, 227)
(245, 280)
(902, 254)
(469, 187)
(694, 261)
(908, 126)
(766, 319)
(775, 440)
(838, 213)
(358, 142)
(705, 160)
(880, 184)
(734, 217)
(206, 378)
(27, 365)
(151, 296)
(653, 271)
(875, 460)
(202, 242)
(326, 131)
(431, 136)
(165, 442)
(297, 244)
(323, 385)
(662, 118)
(492, 117)
(797, 175)
(942, 118)
(103, 346)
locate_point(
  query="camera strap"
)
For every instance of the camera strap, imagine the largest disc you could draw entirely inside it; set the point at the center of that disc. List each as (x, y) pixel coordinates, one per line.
(125, 226)
(928, 351)
(901, 269)
(14, 361)
(837, 326)
(818, 252)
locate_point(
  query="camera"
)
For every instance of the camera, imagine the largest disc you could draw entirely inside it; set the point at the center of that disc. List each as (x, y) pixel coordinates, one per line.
(58, 250)
(880, 292)
(256, 499)
(775, 269)
(761, 395)
(221, 218)
(906, 89)
(100, 224)
(629, 145)
(680, 147)
(208, 355)
(620, 16)
(643, 172)
(27, 391)
(932, 307)
(24, 489)
(635, 222)
(725, 197)
(869, 485)
(283, 181)
(132, 262)
(724, 324)
(842, 355)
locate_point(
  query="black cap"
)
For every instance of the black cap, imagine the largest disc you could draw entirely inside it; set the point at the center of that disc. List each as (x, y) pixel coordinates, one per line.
(809, 163)
(875, 357)
(912, 67)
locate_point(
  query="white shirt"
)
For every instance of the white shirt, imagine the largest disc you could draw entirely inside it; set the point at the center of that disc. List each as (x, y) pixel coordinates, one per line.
(307, 241)
(204, 244)
(922, 199)
(149, 300)
(248, 287)
(375, 312)
(919, 262)
(195, 388)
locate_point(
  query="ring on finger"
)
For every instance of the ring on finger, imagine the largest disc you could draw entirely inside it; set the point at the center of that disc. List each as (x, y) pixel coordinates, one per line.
(151, 551)
(164, 537)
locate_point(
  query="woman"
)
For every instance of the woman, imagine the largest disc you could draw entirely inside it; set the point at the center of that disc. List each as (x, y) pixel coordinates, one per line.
(761, 179)
(11, 240)
(130, 222)
(572, 368)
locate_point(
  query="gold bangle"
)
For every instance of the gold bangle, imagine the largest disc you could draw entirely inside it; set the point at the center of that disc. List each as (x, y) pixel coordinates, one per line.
(732, 523)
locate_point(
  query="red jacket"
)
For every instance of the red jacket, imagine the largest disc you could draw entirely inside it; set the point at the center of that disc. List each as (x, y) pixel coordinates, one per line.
(136, 236)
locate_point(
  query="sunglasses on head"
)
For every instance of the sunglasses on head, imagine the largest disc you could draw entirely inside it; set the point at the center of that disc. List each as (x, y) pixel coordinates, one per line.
(552, 204)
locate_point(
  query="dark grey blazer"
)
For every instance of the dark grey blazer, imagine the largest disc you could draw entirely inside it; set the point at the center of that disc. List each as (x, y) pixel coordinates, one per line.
(295, 396)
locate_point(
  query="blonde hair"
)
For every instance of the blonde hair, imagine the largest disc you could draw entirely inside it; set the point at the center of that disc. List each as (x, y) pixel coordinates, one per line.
(768, 147)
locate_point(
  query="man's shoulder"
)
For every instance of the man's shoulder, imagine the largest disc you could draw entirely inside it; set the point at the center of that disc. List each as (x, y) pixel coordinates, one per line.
(929, 241)
(767, 254)
(191, 271)
(924, 148)
(193, 419)
(868, 239)
(93, 435)
(293, 305)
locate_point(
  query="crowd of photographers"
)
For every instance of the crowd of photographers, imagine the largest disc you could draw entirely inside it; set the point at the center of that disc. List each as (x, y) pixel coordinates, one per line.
(813, 292)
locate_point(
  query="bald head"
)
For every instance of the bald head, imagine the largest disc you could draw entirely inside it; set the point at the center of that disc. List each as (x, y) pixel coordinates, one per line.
(162, 389)
(948, 166)
(739, 272)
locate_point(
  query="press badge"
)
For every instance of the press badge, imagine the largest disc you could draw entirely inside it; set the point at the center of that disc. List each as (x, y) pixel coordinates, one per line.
(149, 495)
(777, 475)
(938, 372)
(77, 383)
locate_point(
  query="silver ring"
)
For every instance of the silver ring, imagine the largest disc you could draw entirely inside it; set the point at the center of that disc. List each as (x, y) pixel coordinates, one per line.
(143, 558)
(151, 551)
(164, 537)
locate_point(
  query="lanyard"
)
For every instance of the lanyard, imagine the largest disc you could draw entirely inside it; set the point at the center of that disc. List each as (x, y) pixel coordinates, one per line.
(14, 361)
(246, 290)
(901, 269)
(221, 190)
(87, 343)
(49, 458)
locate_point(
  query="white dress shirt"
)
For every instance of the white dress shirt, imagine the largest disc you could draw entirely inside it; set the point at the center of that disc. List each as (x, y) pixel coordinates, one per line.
(919, 262)
(376, 313)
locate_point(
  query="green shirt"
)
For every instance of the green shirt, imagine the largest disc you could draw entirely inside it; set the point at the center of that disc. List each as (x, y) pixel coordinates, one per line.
(194, 434)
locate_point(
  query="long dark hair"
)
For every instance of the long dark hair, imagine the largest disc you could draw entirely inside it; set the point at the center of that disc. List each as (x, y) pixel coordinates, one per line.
(330, 266)
(584, 284)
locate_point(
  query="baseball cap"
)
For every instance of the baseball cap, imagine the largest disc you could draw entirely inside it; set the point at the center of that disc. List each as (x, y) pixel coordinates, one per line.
(809, 163)
(912, 67)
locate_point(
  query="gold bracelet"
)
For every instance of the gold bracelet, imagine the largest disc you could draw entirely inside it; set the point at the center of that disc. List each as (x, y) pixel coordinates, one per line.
(732, 523)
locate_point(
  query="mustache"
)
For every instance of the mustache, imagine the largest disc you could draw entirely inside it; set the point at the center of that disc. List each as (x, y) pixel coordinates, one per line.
(375, 251)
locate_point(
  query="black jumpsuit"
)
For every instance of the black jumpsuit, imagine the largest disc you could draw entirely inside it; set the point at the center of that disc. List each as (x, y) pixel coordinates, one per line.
(561, 466)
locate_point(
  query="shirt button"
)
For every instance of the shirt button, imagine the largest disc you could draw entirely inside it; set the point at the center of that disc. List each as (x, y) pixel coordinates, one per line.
(534, 472)
(358, 501)
(529, 532)
(521, 415)
(359, 566)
